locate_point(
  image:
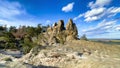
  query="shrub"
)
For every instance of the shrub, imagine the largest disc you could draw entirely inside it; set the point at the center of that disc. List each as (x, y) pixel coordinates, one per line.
(84, 37)
(61, 37)
(26, 47)
(10, 46)
(7, 59)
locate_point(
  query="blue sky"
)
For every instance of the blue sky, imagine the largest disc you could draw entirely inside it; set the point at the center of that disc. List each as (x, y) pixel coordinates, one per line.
(95, 18)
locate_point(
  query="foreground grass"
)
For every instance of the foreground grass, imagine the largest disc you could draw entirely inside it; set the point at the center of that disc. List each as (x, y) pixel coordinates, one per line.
(101, 55)
(94, 46)
(109, 42)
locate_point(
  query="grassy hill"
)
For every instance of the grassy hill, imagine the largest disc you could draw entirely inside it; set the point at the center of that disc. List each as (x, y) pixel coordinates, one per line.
(107, 41)
(76, 54)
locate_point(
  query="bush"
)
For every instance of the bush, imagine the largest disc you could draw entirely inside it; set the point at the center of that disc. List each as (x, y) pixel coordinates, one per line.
(84, 37)
(10, 46)
(27, 47)
(7, 59)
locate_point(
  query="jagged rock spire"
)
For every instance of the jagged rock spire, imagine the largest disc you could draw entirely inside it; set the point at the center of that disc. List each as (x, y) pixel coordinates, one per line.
(60, 25)
(71, 30)
(69, 25)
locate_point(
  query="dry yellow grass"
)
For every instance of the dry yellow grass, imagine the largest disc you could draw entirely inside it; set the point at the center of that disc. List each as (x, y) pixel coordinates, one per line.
(101, 55)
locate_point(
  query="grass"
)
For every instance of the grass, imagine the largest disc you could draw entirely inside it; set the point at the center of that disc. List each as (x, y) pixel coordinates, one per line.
(109, 42)
(112, 51)
(3, 39)
(102, 55)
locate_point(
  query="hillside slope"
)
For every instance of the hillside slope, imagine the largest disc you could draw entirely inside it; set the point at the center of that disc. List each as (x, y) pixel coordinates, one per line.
(76, 54)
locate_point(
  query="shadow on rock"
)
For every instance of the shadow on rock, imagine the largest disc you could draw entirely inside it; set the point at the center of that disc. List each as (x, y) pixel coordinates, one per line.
(42, 66)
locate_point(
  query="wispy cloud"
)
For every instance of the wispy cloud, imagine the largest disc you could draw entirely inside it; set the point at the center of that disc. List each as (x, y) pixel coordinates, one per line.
(17, 23)
(99, 11)
(79, 16)
(94, 14)
(102, 28)
(68, 7)
(14, 14)
(117, 27)
(99, 3)
(48, 22)
(10, 9)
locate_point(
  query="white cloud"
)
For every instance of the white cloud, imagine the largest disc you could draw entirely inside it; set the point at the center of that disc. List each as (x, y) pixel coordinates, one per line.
(101, 28)
(117, 28)
(114, 10)
(94, 12)
(108, 27)
(91, 18)
(99, 3)
(107, 23)
(14, 14)
(17, 23)
(99, 13)
(48, 21)
(8, 9)
(78, 16)
(68, 7)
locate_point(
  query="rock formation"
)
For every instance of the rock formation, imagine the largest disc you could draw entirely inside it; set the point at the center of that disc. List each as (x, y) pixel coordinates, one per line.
(60, 26)
(58, 33)
(71, 30)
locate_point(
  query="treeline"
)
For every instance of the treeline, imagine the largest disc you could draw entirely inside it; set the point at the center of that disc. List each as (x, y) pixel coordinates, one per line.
(20, 38)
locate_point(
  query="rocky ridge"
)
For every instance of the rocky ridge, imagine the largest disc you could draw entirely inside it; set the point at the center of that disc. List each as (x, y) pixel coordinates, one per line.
(58, 33)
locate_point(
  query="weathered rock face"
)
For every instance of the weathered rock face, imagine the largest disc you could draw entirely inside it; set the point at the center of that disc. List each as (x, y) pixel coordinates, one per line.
(69, 25)
(57, 28)
(58, 33)
(71, 30)
(49, 30)
(60, 26)
(54, 31)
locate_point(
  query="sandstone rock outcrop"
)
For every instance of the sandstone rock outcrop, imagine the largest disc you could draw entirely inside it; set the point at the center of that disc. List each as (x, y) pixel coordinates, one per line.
(60, 26)
(71, 30)
(58, 33)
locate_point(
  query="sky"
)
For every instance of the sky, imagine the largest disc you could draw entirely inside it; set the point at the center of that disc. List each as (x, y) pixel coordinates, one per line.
(95, 18)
